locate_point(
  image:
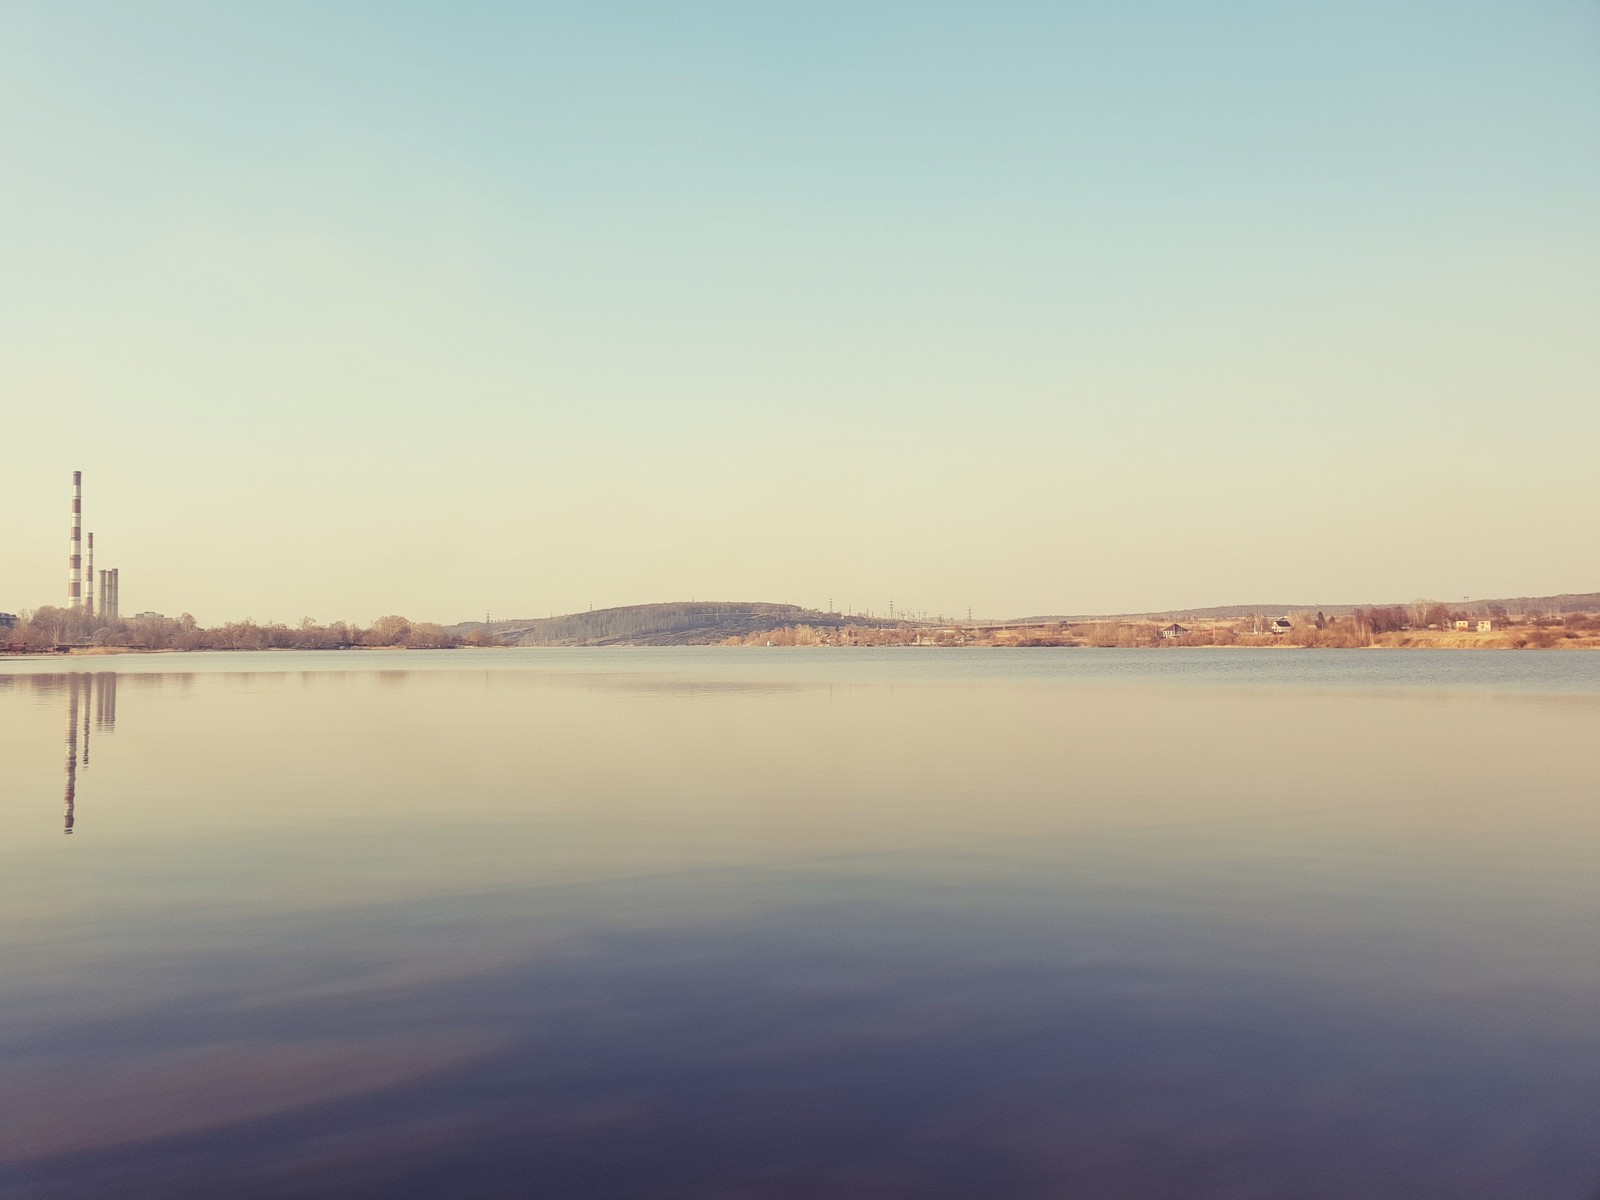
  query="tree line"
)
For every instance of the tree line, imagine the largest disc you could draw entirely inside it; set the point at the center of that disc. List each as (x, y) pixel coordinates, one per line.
(48, 628)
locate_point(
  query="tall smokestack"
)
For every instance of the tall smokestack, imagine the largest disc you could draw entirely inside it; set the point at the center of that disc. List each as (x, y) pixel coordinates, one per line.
(105, 602)
(116, 593)
(88, 578)
(75, 561)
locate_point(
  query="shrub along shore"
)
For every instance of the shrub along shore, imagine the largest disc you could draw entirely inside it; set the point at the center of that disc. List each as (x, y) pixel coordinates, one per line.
(61, 630)
(51, 629)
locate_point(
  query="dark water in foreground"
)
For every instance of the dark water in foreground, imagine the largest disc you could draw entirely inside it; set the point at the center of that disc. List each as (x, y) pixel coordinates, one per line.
(661, 924)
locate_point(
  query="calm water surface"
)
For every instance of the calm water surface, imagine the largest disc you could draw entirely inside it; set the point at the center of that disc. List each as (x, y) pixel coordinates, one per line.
(710, 923)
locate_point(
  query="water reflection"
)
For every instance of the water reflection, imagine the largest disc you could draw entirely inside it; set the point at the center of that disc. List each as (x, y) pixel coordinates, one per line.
(72, 749)
(628, 934)
(85, 695)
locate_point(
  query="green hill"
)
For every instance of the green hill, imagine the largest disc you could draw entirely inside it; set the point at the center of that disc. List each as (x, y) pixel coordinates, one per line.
(687, 623)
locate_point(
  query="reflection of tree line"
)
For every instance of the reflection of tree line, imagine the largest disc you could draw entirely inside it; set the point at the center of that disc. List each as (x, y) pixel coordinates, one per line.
(87, 695)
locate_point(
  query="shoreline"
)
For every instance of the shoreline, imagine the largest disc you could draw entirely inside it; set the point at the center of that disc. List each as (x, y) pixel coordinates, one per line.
(81, 652)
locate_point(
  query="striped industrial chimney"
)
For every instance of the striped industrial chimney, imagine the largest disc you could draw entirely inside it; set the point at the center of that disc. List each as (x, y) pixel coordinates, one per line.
(75, 561)
(88, 578)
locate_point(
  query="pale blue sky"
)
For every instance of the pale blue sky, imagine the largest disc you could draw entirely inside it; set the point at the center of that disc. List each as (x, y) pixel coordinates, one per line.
(345, 309)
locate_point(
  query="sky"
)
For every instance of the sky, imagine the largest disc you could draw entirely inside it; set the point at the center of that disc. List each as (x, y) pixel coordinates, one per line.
(467, 308)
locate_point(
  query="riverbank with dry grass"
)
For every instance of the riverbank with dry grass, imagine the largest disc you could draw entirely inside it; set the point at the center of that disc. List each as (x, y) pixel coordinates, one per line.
(1576, 631)
(51, 632)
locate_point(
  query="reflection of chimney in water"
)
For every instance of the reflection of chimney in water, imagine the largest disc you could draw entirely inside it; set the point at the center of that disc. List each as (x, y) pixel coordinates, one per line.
(72, 748)
(88, 701)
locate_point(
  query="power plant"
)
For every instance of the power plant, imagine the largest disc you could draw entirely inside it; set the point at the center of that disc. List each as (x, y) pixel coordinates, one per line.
(103, 602)
(94, 599)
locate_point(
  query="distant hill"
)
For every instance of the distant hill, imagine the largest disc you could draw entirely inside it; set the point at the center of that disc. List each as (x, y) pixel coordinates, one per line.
(1217, 613)
(1515, 605)
(690, 623)
(702, 623)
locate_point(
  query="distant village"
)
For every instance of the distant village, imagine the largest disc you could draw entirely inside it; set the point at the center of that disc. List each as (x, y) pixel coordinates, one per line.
(1397, 627)
(64, 630)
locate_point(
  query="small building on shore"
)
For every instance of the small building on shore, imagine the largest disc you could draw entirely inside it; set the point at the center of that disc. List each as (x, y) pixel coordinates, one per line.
(1174, 631)
(1485, 626)
(1281, 626)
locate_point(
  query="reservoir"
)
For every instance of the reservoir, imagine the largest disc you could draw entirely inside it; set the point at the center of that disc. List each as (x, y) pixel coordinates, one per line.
(706, 922)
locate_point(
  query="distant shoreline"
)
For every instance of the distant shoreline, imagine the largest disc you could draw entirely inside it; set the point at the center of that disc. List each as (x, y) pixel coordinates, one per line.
(119, 651)
(81, 652)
